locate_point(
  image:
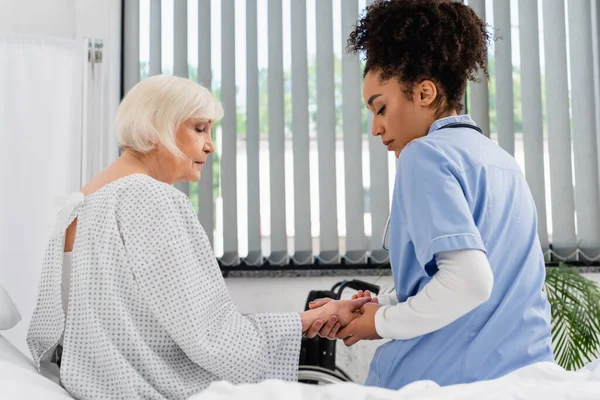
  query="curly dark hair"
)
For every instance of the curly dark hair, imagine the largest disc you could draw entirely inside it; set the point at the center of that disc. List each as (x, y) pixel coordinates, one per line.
(413, 40)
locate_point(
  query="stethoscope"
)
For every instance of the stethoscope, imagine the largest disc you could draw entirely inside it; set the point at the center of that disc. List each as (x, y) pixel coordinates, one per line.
(452, 125)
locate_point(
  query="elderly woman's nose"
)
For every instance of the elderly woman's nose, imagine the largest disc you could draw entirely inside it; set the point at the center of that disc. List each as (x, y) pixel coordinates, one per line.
(209, 146)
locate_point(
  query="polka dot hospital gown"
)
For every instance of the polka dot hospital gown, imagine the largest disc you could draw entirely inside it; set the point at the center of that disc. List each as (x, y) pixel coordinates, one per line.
(149, 315)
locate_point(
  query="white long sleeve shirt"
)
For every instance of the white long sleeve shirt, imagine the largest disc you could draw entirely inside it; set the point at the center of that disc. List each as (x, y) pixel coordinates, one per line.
(464, 281)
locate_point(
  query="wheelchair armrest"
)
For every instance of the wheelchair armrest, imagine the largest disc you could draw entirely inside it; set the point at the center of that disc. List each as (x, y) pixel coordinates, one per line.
(358, 285)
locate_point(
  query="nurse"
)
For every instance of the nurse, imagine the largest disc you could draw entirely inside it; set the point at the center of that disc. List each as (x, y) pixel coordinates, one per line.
(467, 264)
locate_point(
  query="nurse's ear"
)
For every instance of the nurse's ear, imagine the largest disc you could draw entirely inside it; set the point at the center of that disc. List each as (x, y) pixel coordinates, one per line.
(426, 92)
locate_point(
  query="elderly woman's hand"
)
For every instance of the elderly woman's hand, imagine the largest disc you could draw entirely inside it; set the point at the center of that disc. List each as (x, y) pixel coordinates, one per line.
(321, 302)
(329, 330)
(337, 313)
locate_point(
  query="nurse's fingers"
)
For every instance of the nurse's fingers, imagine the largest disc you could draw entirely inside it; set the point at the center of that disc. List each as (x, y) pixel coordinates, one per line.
(351, 340)
(328, 327)
(347, 335)
(314, 329)
(346, 331)
(319, 302)
(358, 303)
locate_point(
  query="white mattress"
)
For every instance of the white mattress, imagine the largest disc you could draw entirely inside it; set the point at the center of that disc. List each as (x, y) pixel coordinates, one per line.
(544, 381)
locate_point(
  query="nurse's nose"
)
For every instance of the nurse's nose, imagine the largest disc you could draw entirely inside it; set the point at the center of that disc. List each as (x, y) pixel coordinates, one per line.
(376, 130)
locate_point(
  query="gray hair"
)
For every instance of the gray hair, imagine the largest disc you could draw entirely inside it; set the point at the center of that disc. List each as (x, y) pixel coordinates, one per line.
(153, 109)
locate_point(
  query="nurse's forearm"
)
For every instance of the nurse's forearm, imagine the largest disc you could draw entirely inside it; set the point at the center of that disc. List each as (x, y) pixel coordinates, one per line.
(388, 299)
(464, 281)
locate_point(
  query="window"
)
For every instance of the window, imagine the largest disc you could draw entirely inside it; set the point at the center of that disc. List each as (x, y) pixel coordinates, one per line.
(297, 178)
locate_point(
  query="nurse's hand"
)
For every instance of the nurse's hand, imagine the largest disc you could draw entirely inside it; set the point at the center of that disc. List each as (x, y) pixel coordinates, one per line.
(362, 328)
(366, 293)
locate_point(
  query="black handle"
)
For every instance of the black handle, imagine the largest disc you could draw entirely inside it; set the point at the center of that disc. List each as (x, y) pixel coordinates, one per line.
(356, 285)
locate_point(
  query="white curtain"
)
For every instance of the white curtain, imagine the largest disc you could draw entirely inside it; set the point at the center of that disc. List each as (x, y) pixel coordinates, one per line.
(96, 152)
(40, 155)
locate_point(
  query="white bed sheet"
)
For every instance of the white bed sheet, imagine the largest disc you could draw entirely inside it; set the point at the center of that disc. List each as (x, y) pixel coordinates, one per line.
(543, 381)
(19, 380)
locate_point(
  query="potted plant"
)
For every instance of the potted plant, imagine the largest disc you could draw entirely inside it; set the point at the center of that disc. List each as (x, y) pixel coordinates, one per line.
(575, 308)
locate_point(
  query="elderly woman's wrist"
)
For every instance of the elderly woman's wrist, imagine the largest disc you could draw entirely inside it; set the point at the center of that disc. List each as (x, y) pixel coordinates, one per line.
(309, 317)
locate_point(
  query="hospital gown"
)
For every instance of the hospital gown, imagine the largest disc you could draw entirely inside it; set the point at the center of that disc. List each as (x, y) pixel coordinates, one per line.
(149, 315)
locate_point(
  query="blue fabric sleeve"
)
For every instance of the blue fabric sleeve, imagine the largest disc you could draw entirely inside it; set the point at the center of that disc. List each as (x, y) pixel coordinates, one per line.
(432, 204)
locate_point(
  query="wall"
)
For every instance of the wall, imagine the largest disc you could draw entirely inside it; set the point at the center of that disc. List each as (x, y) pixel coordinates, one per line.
(38, 17)
(75, 19)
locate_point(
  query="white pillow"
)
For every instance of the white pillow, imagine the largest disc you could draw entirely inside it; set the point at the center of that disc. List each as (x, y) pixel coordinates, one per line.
(9, 315)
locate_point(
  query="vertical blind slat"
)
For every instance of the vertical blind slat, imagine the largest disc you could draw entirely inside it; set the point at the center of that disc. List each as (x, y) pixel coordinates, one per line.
(504, 79)
(531, 94)
(252, 135)
(180, 56)
(180, 38)
(131, 47)
(279, 254)
(379, 194)
(378, 191)
(480, 102)
(587, 202)
(155, 61)
(329, 252)
(564, 240)
(352, 127)
(229, 137)
(206, 201)
(303, 253)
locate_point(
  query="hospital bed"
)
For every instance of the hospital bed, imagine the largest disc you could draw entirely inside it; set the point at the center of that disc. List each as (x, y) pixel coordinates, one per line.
(20, 380)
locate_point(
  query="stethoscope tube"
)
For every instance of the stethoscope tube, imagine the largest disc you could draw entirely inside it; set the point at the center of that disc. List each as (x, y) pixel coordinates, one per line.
(385, 234)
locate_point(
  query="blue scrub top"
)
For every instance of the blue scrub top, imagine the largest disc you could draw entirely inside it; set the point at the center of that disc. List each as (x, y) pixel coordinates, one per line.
(456, 189)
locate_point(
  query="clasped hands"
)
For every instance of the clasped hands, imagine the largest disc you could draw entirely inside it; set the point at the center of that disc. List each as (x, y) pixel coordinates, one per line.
(349, 320)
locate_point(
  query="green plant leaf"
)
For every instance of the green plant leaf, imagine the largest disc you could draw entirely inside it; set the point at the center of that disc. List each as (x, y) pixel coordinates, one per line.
(575, 311)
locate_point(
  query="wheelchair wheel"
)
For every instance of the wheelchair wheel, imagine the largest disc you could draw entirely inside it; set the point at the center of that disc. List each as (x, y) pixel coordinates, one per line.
(320, 376)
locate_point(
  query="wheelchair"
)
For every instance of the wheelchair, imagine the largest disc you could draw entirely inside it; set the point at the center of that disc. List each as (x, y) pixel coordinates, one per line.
(317, 355)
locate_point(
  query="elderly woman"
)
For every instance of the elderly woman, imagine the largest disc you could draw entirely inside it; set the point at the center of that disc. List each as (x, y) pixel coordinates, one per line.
(131, 301)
